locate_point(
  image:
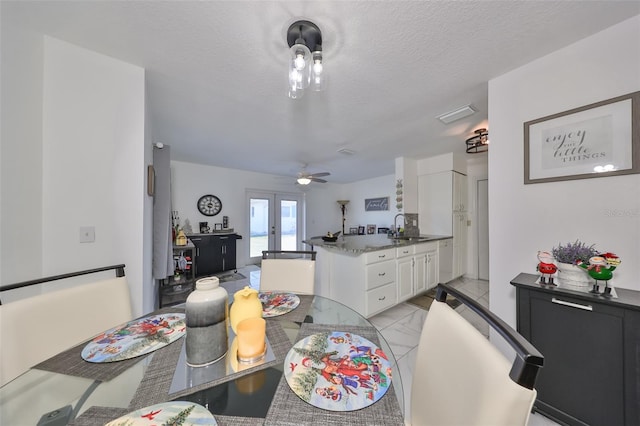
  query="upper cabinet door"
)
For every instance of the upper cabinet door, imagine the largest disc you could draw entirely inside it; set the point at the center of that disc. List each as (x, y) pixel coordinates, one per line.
(459, 192)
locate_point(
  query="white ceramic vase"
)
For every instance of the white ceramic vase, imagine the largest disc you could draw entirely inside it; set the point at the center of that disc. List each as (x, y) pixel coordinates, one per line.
(572, 276)
(206, 314)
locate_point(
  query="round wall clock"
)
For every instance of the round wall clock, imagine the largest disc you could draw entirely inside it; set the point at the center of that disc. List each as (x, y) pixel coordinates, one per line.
(209, 205)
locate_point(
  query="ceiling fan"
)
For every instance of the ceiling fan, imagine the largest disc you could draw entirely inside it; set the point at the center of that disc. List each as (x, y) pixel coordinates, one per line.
(305, 178)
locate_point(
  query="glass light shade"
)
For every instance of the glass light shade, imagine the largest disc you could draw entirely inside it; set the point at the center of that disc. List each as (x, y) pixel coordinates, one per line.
(304, 181)
(318, 74)
(299, 66)
(294, 91)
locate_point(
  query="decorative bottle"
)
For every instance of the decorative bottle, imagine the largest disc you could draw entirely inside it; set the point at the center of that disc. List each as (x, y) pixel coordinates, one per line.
(246, 304)
(206, 317)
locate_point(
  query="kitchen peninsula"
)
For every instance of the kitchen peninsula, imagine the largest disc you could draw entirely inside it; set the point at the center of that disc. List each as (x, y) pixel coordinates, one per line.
(371, 273)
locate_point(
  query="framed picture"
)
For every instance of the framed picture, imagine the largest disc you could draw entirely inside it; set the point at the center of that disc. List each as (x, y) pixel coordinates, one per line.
(376, 204)
(353, 231)
(371, 229)
(596, 140)
(360, 230)
(217, 227)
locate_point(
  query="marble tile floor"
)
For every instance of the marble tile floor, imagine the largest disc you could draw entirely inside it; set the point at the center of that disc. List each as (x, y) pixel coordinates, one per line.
(401, 326)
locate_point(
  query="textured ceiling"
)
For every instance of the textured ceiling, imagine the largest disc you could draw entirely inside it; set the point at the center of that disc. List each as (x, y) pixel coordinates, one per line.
(217, 71)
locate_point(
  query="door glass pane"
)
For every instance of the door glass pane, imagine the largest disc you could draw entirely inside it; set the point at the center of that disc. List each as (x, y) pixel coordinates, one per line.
(258, 227)
(288, 224)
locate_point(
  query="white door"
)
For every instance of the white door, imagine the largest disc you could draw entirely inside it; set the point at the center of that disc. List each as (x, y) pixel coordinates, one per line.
(275, 222)
(483, 229)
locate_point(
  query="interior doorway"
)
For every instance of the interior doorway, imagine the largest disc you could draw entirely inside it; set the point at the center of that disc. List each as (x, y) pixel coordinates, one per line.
(483, 228)
(275, 222)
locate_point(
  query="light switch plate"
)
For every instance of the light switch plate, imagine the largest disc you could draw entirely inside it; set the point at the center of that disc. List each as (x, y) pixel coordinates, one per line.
(87, 234)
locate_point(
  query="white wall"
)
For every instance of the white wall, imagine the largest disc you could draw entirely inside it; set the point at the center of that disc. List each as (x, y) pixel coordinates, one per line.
(526, 218)
(20, 154)
(190, 181)
(88, 158)
(357, 192)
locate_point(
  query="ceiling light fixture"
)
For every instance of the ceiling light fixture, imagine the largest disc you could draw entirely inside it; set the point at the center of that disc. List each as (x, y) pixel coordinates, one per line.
(306, 66)
(304, 181)
(478, 143)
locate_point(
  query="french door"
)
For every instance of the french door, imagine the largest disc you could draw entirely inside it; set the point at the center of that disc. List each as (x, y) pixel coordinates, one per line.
(276, 222)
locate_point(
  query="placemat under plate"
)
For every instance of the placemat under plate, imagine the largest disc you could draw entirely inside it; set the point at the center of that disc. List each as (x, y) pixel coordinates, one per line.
(70, 362)
(276, 303)
(300, 313)
(288, 409)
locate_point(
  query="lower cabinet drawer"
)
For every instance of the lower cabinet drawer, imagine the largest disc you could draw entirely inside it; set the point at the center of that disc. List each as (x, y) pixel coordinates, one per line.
(381, 298)
(380, 273)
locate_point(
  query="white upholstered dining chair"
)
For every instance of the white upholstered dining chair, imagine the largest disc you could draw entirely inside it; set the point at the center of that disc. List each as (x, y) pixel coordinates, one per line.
(35, 328)
(461, 378)
(292, 271)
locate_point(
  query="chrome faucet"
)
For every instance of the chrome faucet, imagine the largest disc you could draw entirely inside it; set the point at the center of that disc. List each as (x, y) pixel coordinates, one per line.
(397, 232)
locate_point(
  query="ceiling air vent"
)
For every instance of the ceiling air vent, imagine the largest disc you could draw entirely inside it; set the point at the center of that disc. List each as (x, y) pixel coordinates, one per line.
(456, 114)
(346, 151)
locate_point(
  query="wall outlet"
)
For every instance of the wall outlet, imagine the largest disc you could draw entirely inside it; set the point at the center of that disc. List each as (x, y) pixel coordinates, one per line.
(87, 234)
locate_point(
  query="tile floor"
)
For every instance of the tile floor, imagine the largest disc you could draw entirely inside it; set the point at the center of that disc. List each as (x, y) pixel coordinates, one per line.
(401, 326)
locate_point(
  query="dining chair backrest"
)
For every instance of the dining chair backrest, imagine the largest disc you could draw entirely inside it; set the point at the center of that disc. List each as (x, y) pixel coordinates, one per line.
(35, 328)
(287, 272)
(461, 378)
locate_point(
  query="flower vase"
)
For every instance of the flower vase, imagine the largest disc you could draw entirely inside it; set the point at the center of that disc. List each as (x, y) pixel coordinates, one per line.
(573, 276)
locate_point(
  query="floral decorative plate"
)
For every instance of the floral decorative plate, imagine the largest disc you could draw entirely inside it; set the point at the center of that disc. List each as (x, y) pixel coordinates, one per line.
(135, 338)
(274, 304)
(337, 371)
(167, 413)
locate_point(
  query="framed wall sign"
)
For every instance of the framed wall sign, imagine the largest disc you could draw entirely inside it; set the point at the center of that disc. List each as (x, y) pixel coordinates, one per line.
(596, 140)
(376, 204)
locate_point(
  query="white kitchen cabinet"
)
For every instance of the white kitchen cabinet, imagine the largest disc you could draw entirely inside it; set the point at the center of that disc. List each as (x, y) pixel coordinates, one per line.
(417, 269)
(425, 267)
(445, 260)
(420, 273)
(459, 244)
(374, 281)
(405, 278)
(442, 209)
(459, 192)
(366, 283)
(431, 270)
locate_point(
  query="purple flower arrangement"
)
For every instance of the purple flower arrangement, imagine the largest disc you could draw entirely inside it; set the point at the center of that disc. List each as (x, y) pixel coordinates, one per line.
(574, 252)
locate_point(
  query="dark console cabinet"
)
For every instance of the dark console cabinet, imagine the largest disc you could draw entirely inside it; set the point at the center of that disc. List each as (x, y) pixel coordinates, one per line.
(591, 348)
(214, 253)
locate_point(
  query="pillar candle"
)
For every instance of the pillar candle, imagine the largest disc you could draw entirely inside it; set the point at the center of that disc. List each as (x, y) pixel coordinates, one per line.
(251, 339)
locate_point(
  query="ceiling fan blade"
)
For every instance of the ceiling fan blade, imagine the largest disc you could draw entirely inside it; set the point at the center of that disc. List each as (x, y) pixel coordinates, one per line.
(320, 174)
(314, 179)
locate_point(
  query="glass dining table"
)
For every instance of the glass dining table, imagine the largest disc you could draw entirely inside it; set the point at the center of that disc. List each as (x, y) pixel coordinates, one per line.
(64, 389)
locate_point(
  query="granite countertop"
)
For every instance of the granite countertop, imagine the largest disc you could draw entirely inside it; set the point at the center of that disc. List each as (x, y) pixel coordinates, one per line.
(358, 244)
